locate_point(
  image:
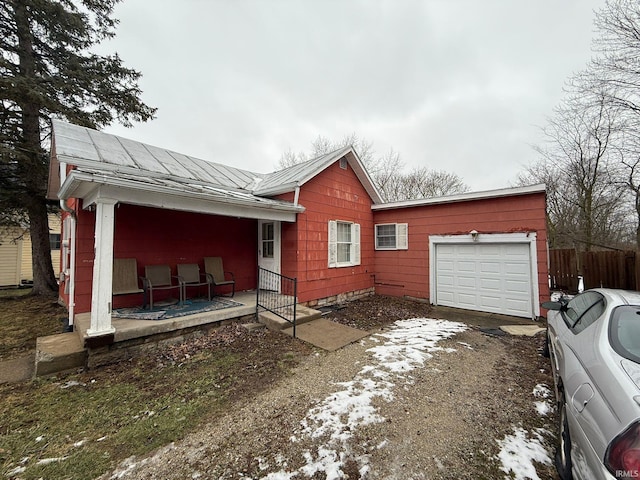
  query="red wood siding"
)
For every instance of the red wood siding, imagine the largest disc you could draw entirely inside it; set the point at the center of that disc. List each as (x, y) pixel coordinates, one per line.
(155, 236)
(334, 194)
(406, 272)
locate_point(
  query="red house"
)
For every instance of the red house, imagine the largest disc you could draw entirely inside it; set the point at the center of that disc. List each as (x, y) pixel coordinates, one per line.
(322, 222)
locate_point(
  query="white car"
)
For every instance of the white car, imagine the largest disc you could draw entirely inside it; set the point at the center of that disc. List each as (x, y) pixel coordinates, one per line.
(594, 346)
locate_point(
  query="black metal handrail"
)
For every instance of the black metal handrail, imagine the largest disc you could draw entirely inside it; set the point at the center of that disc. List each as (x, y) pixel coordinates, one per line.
(277, 293)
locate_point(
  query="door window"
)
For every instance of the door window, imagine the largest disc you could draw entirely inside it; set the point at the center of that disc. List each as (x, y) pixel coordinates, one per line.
(268, 240)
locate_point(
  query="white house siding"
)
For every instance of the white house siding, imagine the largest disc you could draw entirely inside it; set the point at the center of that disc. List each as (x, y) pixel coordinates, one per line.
(15, 254)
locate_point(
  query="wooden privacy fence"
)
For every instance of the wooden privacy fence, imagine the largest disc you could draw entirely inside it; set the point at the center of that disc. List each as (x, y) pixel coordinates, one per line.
(609, 269)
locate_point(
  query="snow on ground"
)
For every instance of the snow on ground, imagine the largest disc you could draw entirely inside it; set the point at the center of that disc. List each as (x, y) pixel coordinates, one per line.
(405, 347)
(519, 451)
(544, 406)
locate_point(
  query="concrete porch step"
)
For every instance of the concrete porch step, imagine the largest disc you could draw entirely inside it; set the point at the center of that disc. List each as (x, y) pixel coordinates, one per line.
(59, 353)
(303, 315)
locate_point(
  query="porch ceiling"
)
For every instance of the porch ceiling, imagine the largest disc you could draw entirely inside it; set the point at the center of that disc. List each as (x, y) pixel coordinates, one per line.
(90, 185)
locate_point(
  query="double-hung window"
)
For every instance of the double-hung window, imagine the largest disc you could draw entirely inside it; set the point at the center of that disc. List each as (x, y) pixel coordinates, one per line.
(392, 236)
(344, 244)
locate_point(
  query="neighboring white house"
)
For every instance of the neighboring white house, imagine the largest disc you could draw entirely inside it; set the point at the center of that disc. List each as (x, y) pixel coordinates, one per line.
(15, 252)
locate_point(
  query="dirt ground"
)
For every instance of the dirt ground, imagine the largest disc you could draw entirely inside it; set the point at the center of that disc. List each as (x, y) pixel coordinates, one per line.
(443, 423)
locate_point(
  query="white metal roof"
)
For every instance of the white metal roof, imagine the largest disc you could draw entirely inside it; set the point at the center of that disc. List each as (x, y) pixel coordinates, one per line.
(109, 166)
(288, 179)
(109, 157)
(85, 147)
(463, 197)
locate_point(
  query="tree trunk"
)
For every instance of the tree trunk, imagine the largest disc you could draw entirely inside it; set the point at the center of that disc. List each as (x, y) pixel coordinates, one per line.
(33, 162)
(44, 282)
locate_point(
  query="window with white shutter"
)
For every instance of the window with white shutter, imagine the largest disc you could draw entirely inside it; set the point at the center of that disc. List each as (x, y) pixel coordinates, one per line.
(392, 236)
(344, 244)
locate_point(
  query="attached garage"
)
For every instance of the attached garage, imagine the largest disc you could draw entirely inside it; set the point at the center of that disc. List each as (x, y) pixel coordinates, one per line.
(493, 273)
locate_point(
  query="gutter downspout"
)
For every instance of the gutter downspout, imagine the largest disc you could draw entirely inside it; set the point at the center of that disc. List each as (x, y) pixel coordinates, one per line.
(296, 196)
(71, 275)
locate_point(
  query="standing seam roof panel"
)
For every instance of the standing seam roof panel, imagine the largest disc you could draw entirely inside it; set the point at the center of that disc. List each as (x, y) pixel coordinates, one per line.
(111, 150)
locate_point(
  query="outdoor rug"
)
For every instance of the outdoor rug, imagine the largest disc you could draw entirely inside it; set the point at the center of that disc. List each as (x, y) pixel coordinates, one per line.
(190, 307)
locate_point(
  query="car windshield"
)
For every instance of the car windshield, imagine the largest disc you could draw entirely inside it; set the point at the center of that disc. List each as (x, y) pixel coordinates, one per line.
(624, 332)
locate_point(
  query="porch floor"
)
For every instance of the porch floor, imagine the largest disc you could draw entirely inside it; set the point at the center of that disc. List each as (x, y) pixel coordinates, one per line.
(128, 329)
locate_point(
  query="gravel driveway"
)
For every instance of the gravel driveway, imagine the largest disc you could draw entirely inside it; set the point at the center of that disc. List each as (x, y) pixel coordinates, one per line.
(433, 408)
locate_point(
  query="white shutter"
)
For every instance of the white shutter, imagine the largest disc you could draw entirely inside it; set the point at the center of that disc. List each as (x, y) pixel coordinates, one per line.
(333, 243)
(402, 236)
(355, 243)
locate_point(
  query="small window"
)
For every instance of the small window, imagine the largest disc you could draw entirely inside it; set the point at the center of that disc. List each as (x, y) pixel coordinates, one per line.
(344, 244)
(343, 163)
(392, 236)
(54, 241)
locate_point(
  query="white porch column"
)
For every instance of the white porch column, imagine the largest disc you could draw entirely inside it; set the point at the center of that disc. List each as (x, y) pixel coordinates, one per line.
(102, 288)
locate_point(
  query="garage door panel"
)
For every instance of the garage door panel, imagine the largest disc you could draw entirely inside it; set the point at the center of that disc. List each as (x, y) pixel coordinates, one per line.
(514, 250)
(468, 251)
(467, 299)
(447, 297)
(490, 302)
(516, 268)
(484, 251)
(490, 284)
(517, 286)
(466, 266)
(490, 267)
(447, 280)
(467, 282)
(494, 278)
(445, 265)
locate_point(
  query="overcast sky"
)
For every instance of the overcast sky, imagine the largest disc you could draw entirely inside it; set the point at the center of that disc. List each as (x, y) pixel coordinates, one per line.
(456, 85)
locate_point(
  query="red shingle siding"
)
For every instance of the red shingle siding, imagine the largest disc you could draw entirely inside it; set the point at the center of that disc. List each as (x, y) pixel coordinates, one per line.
(155, 236)
(334, 194)
(406, 272)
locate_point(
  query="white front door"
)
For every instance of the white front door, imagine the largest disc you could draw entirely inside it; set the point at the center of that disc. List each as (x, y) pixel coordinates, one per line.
(269, 250)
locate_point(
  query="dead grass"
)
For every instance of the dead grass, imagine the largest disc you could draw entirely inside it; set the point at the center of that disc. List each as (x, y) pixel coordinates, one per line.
(79, 426)
(23, 318)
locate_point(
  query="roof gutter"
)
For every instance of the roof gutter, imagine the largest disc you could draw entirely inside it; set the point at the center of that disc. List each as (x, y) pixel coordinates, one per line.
(464, 197)
(76, 178)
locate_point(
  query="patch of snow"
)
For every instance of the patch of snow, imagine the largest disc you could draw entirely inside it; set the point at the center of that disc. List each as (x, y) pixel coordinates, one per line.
(72, 383)
(543, 407)
(47, 461)
(101, 439)
(403, 348)
(16, 471)
(541, 391)
(519, 451)
(39, 439)
(466, 345)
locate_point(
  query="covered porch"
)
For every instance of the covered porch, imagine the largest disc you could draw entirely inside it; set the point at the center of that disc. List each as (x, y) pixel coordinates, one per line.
(123, 199)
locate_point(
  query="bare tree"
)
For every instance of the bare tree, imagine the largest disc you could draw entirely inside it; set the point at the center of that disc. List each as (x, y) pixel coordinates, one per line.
(584, 199)
(386, 171)
(615, 70)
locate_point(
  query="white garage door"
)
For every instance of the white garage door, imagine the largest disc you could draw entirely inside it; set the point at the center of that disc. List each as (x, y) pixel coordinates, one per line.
(485, 277)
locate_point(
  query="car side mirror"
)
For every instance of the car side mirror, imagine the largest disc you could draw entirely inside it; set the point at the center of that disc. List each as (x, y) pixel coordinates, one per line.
(558, 306)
